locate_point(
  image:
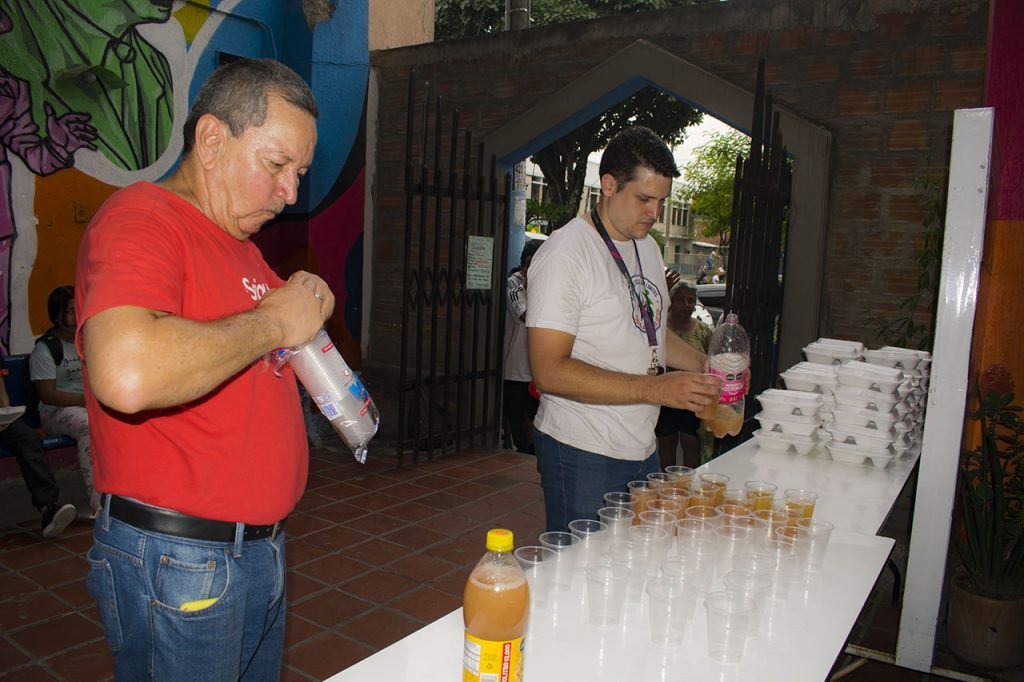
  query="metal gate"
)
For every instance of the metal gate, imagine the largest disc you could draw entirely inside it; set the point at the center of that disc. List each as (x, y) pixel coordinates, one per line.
(456, 215)
(760, 210)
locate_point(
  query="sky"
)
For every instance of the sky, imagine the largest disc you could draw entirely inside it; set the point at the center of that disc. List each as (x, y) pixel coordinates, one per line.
(696, 136)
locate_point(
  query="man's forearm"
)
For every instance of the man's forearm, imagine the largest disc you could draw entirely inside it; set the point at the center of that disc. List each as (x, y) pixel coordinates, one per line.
(682, 355)
(170, 360)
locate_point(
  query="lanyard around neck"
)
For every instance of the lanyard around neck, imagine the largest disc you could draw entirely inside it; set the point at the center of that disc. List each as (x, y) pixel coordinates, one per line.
(642, 301)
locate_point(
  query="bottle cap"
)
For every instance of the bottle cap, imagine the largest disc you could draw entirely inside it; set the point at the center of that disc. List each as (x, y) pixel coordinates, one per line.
(499, 540)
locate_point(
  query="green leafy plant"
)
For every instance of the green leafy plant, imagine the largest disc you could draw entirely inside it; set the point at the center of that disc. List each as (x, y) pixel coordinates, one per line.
(991, 494)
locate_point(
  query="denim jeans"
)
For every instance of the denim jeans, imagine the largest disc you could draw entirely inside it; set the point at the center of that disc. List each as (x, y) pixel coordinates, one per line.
(575, 480)
(139, 579)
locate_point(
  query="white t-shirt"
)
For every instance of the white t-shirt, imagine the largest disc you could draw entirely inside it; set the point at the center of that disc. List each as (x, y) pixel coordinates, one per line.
(517, 361)
(68, 375)
(576, 287)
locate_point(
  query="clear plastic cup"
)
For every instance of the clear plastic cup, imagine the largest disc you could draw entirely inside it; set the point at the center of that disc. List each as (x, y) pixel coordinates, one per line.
(694, 535)
(618, 519)
(659, 479)
(720, 481)
(592, 535)
(752, 584)
(671, 607)
(563, 544)
(703, 494)
(677, 495)
(644, 491)
(776, 518)
(802, 500)
(704, 513)
(690, 569)
(664, 520)
(619, 499)
(760, 494)
(661, 504)
(758, 529)
(730, 541)
(733, 510)
(537, 564)
(680, 476)
(736, 496)
(731, 621)
(820, 533)
(800, 539)
(606, 593)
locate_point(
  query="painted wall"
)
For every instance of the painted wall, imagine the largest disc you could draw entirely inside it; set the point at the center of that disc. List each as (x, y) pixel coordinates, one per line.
(93, 96)
(1000, 314)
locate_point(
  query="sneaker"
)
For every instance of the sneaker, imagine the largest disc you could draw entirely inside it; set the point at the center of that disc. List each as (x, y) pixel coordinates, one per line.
(56, 519)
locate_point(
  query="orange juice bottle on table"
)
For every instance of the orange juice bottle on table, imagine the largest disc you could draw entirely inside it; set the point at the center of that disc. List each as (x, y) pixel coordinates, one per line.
(495, 609)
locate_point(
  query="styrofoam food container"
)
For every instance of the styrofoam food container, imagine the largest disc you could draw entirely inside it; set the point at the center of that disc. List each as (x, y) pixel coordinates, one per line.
(780, 442)
(848, 452)
(830, 354)
(903, 359)
(864, 418)
(792, 425)
(776, 401)
(864, 398)
(860, 435)
(810, 376)
(851, 346)
(773, 442)
(922, 354)
(843, 452)
(863, 375)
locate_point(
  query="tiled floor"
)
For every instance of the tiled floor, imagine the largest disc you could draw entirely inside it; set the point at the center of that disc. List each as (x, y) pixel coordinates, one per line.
(374, 552)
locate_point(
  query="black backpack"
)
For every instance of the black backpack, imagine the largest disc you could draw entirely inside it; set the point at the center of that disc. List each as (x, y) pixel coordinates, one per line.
(56, 348)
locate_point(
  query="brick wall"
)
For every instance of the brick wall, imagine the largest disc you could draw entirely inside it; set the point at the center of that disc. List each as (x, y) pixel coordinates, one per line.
(883, 76)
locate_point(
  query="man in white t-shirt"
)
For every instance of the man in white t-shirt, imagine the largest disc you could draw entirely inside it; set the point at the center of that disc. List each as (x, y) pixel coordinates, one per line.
(597, 340)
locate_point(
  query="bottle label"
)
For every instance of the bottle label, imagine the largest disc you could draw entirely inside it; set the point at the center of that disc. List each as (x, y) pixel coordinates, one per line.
(732, 386)
(487, 661)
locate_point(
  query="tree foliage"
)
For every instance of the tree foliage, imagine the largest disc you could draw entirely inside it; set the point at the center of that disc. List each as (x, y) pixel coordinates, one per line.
(564, 162)
(708, 180)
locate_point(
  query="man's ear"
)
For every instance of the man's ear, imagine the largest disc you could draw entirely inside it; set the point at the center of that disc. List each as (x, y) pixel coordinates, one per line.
(609, 186)
(211, 135)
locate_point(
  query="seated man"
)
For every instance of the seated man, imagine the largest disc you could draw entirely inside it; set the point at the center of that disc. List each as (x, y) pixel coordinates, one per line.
(27, 446)
(56, 371)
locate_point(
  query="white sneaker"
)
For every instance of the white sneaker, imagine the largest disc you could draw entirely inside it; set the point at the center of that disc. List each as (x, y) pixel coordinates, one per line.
(55, 520)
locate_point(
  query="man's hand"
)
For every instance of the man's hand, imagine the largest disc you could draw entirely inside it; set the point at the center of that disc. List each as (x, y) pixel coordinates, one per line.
(686, 390)
(300, 307)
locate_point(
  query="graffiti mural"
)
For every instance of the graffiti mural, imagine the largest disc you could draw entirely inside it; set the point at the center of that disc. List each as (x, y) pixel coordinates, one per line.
(103, 86)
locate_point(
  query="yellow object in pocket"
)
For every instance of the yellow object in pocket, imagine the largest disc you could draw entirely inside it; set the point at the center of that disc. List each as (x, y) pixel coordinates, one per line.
(197, 605)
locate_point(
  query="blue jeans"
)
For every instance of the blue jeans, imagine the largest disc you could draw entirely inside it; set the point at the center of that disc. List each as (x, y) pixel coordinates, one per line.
(139, 579)
(575, 481)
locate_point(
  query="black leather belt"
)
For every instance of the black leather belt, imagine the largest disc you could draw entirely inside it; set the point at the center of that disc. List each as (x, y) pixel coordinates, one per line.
(181, 525)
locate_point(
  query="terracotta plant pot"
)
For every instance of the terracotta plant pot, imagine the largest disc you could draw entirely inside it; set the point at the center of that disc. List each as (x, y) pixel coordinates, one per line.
(983, 631)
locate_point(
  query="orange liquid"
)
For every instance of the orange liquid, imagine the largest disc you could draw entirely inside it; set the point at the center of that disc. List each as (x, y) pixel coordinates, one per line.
(726, 421)
(759, 500)
(496, 604)
(643, 496)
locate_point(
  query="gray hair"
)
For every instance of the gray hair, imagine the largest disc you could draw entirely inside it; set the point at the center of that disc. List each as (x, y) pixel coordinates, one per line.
(237, 92)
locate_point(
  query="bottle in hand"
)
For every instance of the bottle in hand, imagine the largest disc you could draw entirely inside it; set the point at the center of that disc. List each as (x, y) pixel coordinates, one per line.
(496, 607)
(729, 357)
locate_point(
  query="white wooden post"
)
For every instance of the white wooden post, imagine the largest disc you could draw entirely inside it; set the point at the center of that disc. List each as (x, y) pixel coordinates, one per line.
(947, 391)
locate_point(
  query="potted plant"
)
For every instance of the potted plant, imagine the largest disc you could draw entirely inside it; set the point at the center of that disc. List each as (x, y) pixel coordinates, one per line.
(986, 603)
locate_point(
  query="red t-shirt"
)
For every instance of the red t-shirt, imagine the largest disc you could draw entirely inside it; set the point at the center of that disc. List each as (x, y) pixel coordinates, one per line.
(237, 454)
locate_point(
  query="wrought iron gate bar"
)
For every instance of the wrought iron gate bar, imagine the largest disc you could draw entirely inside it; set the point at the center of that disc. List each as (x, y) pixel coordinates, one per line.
(761, 199)
(444, 400)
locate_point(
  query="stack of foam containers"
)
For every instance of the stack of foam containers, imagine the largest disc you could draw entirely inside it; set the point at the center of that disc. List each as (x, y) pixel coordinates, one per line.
(863, 424)
(912, 392)
(789, 419)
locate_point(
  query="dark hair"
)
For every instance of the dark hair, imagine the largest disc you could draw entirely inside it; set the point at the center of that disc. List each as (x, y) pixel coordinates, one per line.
(531, 248)
(58, 302)
(237, 93)
(634, 148)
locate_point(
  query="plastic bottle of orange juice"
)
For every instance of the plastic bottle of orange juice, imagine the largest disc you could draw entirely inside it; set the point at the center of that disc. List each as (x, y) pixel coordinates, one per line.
(496, 607)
